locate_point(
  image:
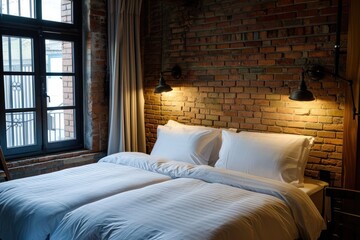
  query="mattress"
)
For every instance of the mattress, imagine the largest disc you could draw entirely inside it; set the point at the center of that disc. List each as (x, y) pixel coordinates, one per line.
(31, 208)
(201, 202)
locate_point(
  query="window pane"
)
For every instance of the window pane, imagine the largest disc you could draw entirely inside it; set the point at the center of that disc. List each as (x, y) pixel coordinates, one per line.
(61, 125)
(59, 56)
(20, 129)
(19, 92)
(60, 91)
(17, 54)
(57, 10)
(21, 8)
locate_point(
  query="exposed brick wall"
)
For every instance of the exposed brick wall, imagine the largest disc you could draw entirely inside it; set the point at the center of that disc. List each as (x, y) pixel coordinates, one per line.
(240, 61)
(96, 90)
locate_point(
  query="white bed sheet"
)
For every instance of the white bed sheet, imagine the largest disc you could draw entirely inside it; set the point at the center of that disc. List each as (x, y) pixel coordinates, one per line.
(204, 203)
(31, 208)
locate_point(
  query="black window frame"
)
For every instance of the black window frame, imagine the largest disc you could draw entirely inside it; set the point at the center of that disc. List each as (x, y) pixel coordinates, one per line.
(39, 30)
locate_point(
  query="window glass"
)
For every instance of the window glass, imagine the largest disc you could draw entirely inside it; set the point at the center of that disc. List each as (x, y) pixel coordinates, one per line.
(17, 54)
(41, 81)
(20, 8)
(19, 92)
(20, 129)
(57, 10)
(59, 56)
(60, 91)
(61, 125)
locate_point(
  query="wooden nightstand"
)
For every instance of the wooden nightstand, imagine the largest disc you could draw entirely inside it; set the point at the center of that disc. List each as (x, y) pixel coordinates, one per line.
(315, 189)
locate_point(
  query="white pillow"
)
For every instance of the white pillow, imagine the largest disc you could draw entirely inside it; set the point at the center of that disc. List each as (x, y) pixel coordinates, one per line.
(184, 144)
(277, 156)
(214, 156)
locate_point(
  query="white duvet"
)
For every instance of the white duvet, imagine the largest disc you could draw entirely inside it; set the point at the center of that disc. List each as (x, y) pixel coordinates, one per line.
(202, 203)
(31, 208)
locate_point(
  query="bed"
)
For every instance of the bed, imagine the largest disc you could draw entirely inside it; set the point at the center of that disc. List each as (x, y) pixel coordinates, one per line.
(32, 207)
(197, 183)
(201, 202)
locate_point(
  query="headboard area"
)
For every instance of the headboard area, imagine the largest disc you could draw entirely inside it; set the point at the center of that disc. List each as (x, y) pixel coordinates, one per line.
(240, 60)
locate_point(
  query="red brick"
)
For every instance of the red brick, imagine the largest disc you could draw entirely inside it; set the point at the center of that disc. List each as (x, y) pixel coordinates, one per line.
(241, 69)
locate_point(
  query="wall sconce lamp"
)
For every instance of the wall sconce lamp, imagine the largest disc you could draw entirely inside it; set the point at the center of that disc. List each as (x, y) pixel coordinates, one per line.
(302, 94)
(317, 72)
(163, 86)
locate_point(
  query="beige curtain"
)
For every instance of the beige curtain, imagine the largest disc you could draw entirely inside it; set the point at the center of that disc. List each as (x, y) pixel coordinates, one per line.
(126, 119)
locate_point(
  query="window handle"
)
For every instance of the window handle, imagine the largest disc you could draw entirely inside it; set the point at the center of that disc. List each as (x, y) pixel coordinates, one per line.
(47, 96)
(44, 90)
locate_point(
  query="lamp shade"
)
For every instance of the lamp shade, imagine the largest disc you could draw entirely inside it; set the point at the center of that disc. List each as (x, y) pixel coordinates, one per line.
(163, 86)
(302, 94)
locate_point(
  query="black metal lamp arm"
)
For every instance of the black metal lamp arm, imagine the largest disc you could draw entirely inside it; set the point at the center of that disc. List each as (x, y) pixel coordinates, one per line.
(350, 83)
(175, 72)
(317, 72)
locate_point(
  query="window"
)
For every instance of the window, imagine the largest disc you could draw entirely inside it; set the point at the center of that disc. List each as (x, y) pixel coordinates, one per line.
(41, 76)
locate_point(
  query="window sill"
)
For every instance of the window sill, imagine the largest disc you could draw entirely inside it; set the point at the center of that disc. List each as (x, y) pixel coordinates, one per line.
(25, 167)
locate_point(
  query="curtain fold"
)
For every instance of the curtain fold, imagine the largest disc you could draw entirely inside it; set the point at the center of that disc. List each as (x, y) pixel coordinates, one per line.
(126, 116)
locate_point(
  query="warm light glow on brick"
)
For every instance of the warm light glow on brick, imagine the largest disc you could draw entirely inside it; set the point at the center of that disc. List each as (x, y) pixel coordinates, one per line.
(240, 64)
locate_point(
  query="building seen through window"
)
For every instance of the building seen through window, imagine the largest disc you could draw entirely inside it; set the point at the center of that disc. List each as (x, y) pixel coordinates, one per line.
(40, 76)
